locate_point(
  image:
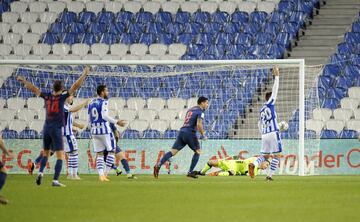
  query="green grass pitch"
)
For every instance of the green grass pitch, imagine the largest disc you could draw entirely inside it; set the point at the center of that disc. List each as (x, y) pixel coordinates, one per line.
(177, 198)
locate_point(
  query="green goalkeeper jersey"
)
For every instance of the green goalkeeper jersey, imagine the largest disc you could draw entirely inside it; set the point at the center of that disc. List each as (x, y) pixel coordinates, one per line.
(237, 167)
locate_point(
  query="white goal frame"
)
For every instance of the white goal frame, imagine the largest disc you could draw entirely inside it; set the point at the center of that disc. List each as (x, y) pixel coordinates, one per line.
(290, 62)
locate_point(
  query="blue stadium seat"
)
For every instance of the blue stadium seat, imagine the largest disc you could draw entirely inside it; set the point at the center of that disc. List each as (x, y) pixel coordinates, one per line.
(220, 17)
(351, 71)
(223, 39)
(105, 17)
(239, 16)
(144, 17)
(258, 17)
(231, 27)
(125, 17)
(154, 28)
(67, 17)
(151, 134)
(242, 39)
(147, 38)
(117, 28)
(201, 17)
(87, 17)
(9, 134)
(310, 134)
(97, 28)
(128, 38)
(252, 28)
(284, 38)
(135, 28)
(170, 134)
(192, 28)
(89, 38)
(182, 17)
(212, 28)
(185, 38)
(163, 17)
(352, 37)
(330, 103)
(130, 134)
(286, 6)
(328, 134)
(291, 28)
(343, 82)
(174, 28)
(297, 17)
(277, 17)
(348, 134)
(49, 38)
(331, 70)
(262, 38)
(108, 38)
(76, 27)
(275, 51)
(356, 27)
(339, 60)
(196, 49)
(70, 38)
(271, 28)
(58, 27)
(28, 134)
(325, 82)
(165, 39)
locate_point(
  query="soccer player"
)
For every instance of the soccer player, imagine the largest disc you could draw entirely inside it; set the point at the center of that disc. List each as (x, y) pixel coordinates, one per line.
(271, 141)
(71, 147)
(54, 122)
(120, 155)
(233, 167)
(102, 135)
(187, 136)
(3, 172)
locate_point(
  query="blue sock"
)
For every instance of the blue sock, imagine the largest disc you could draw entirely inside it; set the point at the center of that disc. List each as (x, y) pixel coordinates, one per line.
(114, 167)
(2, 179)
(43, 164)
(165, 158)
(194, 161)
(38, 159)
(58, 167)
(125, 164)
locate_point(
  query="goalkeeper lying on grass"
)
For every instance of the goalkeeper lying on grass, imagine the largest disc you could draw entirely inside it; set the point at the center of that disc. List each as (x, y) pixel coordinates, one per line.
(232, 167)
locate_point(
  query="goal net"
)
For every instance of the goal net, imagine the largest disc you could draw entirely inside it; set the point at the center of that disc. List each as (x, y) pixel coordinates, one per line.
(153, 98)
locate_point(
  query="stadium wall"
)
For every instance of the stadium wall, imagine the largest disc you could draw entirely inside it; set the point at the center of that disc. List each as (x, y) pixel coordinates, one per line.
(335, 156)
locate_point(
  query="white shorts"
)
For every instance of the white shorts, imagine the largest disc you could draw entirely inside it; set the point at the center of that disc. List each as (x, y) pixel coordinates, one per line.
(70, 143)
(271, 143)
(103, 142)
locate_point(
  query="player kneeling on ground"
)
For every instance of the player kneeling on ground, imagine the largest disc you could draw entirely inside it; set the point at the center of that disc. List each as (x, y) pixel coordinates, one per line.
(232, 167)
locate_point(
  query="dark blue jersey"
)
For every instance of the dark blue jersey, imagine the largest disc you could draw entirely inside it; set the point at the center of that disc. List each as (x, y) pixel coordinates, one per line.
(192, 115)
(54, 105)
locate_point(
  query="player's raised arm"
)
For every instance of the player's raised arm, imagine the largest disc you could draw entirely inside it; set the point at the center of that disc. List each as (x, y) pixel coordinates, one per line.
(79, 81)
(105, 115)
(80, 106)
(275, 88)
(29, 86)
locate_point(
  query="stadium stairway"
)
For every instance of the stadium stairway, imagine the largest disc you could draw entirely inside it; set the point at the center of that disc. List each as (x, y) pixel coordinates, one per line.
(326, 31)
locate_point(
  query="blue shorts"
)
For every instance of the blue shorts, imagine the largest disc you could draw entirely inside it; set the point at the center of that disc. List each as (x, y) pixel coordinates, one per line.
(53, 139)
(186, 138)
(1, 165)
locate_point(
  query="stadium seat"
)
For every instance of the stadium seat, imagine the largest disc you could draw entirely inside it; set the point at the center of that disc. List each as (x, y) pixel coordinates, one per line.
(152, 7)
(170, 6)
(156, 104)
(39, 28)
(322, 114)
(5, 49)
(15, 103)
(19, 6)
(328, 134)
(100, 49)
(331, 103)
(315, 125)
(337, 125)
(246, 6)
(353, 124)
(190, 6)
(147, 114)
(182, 114)
(132, 6)
(10, 17)
(176, 125)
(48, 17)
(56, 6)
(41, 49)
(348, 134)
(158, 49)
(139, 125)
(176, 103)
(2, 103)
(9, 134)
(151, 134)
(75, 6)
(357, 114)
(96, 6)
(159, 125)
(30, 38)
(170, 134)
(80, 49)
(38, 7)
(7, 114)
(127, 114)
(60, 49)
(113, 6)
(130, 134)
(168, 114)
(28, 134)
(227, 6)
(354, 92)
(349, 103)
(11, 38)
(4, 28)
(116, 103)
(343, 114)
(17, 125)
(138, 49)
(20, 28)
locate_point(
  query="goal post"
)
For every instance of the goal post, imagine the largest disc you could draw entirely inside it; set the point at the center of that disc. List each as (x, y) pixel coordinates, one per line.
(229, 84)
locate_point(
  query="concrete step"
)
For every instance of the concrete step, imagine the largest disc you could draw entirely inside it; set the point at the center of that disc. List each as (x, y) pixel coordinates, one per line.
(332, 21)
(321, 37)
(307, 53)
(335, 12)
(326, 32)
(316, 42)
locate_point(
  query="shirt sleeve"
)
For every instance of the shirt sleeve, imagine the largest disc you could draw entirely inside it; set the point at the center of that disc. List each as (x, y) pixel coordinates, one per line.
(105, 113)
(44, 94)
(65, 94)
(113, 127)
(274, 92)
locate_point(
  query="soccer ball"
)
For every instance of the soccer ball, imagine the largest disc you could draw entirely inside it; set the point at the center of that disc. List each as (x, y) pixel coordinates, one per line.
(283, 126)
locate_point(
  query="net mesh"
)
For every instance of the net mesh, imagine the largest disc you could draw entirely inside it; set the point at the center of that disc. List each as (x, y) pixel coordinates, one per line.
(154, 99)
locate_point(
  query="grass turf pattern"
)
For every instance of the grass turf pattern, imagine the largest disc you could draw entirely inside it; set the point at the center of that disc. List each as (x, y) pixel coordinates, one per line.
(178, 198)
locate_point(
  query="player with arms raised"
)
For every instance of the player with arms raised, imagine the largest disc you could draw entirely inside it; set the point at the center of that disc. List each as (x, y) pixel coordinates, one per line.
(271, 141)
(54, 122)
(187, 136)
(102, 135)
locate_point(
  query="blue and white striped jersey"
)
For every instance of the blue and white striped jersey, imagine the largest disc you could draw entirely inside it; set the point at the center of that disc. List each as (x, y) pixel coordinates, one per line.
(68, 121)
(98, 117)
(268, 119)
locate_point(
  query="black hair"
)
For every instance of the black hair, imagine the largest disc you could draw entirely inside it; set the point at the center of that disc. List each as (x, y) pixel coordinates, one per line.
(58, 85)
(100, 89)
(268, 95)
(201, 100)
